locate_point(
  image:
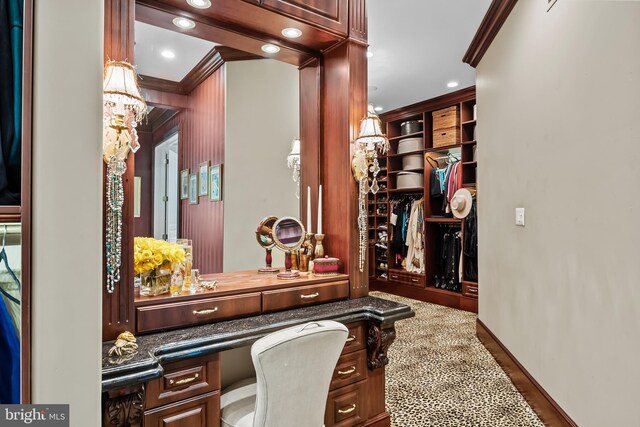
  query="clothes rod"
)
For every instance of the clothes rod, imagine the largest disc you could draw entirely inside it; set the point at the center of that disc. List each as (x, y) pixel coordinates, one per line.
(10, 229)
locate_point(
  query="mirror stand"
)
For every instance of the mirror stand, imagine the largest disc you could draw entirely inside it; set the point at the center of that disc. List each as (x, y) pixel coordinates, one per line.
(288, 274)
(268, 260)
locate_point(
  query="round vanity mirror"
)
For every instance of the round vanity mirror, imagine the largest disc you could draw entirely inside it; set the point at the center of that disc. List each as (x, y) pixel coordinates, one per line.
(264, 236)
(288, 234)
(263, 233)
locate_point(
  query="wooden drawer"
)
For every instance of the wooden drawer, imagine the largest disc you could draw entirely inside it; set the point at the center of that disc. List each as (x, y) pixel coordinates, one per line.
(184, 379)
(356, 340)
(282, 299)
(166, 316)
(346, 406)
(351, 368)
(203, 411)
(407, 278)
(446, 137)
(446, 118)
(470, 290)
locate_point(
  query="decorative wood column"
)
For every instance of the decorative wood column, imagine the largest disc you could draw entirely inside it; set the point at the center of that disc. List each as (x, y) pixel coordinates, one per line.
(123, 408)
(344, 93)
(117, 307)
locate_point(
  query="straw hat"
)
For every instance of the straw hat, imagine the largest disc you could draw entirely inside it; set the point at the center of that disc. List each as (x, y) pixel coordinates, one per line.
(461, 203)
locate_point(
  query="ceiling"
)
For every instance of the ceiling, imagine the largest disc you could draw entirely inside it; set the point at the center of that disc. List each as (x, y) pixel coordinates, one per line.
(417, 48)
(151, 41)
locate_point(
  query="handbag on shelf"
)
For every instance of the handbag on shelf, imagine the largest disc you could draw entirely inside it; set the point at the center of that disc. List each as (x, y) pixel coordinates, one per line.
(435, 183)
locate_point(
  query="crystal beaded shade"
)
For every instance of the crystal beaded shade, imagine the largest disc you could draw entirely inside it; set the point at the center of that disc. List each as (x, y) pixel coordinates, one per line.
(121, 88)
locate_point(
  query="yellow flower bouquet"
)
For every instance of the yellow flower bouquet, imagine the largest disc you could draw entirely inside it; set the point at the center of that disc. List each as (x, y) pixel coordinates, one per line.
(153, 261)
(150, 254)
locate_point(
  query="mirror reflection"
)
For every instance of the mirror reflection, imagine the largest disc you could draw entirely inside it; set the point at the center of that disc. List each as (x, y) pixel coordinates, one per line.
(212, 153)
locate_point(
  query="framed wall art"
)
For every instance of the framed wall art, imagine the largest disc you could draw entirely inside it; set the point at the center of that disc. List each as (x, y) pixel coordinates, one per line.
(184, 184)
(215, 183)
(203, 173)
(193, 189)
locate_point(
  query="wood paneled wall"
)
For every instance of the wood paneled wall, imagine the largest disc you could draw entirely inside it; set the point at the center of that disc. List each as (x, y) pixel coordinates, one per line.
(201, 138)
(117, 307)
(143, 226)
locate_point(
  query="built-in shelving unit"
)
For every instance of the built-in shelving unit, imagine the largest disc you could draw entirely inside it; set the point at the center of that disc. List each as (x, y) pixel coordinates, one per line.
(395, 279)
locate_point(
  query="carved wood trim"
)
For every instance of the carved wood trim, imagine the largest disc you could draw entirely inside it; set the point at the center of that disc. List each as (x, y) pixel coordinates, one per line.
(379, 339)
(358, 20)
(497, 14)
(203, 69)
(123, 409)
(431, 104)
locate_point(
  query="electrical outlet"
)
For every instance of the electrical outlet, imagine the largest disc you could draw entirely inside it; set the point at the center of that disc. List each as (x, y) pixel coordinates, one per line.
(520, 217)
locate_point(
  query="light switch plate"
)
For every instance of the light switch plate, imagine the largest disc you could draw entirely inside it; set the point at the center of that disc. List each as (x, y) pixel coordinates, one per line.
(520, 217)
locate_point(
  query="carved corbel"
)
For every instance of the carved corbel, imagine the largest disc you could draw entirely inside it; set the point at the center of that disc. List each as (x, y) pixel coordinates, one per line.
(123, 408)
(379, 339)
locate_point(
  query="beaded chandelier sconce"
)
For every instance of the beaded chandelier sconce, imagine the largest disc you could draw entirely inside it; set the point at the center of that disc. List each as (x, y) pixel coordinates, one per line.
(124, 108)
(293, 162)
(365, 169)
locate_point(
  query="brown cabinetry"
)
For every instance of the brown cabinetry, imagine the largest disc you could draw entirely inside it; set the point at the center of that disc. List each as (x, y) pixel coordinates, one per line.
(329, 14)
(173, 315)
(183, 380)
(346, 406)
(304, 295)
(447, 135)
(203, 411)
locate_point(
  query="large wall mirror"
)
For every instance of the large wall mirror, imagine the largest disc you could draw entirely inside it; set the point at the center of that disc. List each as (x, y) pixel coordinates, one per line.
(213, 157)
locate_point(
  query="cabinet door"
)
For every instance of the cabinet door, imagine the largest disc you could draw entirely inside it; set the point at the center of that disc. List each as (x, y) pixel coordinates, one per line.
(329, 14)
(203, 411)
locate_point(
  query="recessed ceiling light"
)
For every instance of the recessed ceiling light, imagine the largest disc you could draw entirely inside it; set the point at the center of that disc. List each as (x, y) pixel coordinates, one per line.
(168, 54)
(270, 48)
(184, 23)
(292, 33)
(378, 108)
(369, 54)
(200, 4)
(452, 84)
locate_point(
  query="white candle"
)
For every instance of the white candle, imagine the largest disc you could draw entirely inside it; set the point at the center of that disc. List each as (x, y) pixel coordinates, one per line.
(309, 209)
(320, 210)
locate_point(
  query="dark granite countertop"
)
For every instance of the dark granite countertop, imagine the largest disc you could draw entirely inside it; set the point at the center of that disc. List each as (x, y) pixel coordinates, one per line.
(158, 348)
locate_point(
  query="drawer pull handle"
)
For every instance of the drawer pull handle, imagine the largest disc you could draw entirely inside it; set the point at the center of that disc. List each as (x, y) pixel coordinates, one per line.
(351, 338)
(415, 280)
(393, 276)
(205, 312)
(347, 411)
(348, 371)
(472, 290)
(184, 380)
(444, 134)
(310, 296)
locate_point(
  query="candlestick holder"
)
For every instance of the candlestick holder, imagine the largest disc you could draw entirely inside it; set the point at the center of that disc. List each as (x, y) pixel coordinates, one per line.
(318, 252)
(307, 246)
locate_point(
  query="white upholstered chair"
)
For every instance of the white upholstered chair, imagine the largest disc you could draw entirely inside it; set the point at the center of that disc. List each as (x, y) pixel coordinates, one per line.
(293, 368)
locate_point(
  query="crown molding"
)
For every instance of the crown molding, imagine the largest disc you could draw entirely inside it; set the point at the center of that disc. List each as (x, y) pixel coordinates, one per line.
(203, 69)
(497, 14)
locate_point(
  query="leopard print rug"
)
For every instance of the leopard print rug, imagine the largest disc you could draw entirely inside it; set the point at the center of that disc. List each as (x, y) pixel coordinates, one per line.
(440, 375)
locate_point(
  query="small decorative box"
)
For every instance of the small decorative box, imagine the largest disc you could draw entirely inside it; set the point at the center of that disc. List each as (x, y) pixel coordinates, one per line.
(325, 266)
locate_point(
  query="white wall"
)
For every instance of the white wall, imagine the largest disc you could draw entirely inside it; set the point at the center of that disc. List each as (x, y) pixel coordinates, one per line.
(67, 207)
(262, 118)
(559, 134)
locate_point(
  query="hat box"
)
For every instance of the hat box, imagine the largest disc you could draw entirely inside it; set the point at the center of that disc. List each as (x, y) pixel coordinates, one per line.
(411, 126)
(410, 144)
(412, 161)
(409, 180)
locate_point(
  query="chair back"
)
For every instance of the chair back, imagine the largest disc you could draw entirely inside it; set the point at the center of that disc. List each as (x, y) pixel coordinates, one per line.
(294, 367)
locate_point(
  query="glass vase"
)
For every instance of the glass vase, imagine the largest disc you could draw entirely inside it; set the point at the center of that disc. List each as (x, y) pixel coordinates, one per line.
(154, 282)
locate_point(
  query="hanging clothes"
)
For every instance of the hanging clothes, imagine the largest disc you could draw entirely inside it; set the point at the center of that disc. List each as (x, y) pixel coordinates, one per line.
(414, 241)
(10, 290)
(471, 244)
(11, 12)
(10, 359)
(450, 251)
